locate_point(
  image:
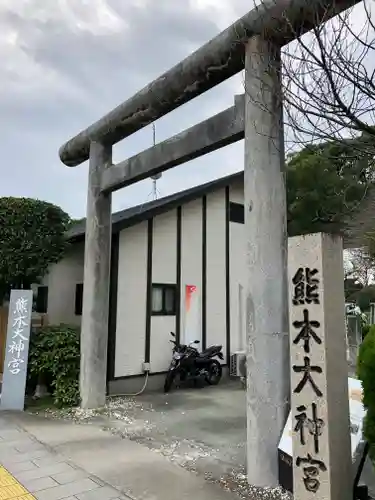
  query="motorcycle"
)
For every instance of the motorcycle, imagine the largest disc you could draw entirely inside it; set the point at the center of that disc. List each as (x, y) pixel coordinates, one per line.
(190, 364)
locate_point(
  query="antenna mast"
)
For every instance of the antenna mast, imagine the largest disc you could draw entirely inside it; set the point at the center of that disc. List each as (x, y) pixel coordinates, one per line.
(154, 192)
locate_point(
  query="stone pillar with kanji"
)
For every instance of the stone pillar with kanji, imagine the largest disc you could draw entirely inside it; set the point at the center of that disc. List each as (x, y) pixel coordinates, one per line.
(319, 371)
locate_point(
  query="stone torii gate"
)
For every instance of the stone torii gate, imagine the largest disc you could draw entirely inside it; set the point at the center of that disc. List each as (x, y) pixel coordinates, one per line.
(252, 42)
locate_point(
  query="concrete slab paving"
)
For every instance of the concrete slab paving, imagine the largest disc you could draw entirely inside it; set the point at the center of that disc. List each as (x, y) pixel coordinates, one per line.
(189, 443)
(201, 430)
(123, 466)
(31, 470)
(53, 470)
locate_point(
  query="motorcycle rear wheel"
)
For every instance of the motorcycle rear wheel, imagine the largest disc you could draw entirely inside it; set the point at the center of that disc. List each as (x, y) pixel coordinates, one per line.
(215, 372)
(169, 381)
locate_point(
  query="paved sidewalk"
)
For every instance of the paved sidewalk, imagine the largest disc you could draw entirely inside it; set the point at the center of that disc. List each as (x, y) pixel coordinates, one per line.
(29, 470)
(55, 459)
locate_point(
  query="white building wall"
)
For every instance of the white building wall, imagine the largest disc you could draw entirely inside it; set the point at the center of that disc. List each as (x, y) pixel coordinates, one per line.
(132, 281)
(131, 301)
(215, 270)
(164, 271)
(61, 280)
(191, 258)
(237, 265)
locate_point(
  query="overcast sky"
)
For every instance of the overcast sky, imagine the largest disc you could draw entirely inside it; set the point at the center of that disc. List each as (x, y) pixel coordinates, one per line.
(65, 63)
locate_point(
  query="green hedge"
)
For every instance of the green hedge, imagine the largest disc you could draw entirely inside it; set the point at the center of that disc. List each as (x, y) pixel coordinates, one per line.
(365, 330)
(366, 373)
(55, 354)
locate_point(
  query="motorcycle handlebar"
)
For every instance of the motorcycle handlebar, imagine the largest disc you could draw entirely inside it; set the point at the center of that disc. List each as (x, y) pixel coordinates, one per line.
(184, 346)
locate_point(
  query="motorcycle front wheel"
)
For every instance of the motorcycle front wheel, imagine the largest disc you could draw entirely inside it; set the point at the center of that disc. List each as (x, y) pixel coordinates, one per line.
(214, 372)
(169, 381)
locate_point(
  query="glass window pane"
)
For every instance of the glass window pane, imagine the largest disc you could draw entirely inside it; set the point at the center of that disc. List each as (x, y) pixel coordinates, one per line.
(41, 304)
(170, 300)
(157, 299)
(78, 299)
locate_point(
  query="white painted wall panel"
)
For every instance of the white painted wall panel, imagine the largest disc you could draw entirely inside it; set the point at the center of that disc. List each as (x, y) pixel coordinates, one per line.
(164, 256)
(191, 255)
(131, 301)
(237, 260)
(164, 266)
(215, 270)
(237, 263)
(61, 281)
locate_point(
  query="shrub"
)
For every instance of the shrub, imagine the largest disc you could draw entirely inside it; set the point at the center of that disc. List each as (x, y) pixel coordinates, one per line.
(365, 330)
(33, 236)
(366, 373)
(55, 354)
(364, 297)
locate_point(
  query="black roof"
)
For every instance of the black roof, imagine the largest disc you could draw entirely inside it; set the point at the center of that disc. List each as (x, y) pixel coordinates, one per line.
(133, 215)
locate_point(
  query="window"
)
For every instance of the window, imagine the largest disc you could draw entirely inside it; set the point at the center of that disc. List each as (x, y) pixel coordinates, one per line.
(79, 298)
(163, 300)
(236, 213)
(41, 304)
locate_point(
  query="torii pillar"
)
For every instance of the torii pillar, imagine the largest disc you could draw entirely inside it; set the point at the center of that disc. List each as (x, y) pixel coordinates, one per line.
(94, 328)
(268, 375)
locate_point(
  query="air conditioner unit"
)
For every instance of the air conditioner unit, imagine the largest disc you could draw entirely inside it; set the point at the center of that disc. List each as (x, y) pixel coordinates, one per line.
(238, 364)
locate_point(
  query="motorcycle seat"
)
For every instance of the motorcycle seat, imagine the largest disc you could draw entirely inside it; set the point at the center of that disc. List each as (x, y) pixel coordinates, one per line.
(211, 350)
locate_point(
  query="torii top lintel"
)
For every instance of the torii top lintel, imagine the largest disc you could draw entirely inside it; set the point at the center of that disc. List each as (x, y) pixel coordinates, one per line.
(219, 59)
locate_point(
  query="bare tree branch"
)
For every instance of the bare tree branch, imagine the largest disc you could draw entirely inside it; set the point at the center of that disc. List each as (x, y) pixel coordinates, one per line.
(361, 267)
(328, 80)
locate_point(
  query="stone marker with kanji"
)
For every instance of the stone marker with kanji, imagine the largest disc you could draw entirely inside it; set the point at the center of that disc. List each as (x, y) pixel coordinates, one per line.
(319, 372)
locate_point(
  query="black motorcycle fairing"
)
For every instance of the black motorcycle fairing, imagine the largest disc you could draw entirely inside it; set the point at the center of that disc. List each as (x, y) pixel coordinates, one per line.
(210, 351)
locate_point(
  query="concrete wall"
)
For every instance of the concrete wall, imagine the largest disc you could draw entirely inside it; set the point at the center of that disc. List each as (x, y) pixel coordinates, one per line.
(61, 281)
